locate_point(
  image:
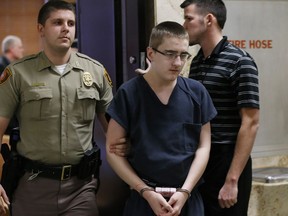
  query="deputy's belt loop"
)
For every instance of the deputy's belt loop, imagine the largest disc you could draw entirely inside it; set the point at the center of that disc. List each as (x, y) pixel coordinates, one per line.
(66, 172)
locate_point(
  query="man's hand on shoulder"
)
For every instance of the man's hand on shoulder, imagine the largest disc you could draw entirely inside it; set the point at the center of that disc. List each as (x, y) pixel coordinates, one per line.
(141, 71)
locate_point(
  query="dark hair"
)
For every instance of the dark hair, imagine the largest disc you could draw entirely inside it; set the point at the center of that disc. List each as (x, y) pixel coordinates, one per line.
(51, 6)
(166, 29)
(215, 7)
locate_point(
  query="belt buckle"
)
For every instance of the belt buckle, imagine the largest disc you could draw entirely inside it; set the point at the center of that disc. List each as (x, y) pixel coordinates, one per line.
(66, 172)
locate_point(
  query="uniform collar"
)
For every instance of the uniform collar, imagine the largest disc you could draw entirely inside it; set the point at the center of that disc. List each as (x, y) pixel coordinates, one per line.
(44, 62)
(74, 62)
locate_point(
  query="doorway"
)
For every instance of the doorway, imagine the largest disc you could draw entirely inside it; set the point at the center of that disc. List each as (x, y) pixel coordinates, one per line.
(115, 33)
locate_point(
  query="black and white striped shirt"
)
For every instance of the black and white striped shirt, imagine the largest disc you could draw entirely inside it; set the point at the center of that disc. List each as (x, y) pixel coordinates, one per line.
(231, 77)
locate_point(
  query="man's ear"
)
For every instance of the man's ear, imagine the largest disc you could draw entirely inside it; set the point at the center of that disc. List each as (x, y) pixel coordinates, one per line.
(40, 29)
(209, 19)
(150, 53)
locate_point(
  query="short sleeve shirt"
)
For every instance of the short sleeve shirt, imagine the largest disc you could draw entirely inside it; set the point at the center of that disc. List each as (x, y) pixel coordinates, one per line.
(230, 75)
(164, 138)
(55, 112)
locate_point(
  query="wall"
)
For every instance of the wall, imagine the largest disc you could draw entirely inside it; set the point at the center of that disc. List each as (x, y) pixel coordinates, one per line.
(19, 17)
(246, 23)
(264, 37)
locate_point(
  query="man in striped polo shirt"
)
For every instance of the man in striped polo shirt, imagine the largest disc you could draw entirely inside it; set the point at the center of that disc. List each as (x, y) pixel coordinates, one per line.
(231, 78)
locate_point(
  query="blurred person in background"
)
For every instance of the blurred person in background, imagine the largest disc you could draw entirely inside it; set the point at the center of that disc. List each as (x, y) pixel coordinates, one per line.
(12, 49)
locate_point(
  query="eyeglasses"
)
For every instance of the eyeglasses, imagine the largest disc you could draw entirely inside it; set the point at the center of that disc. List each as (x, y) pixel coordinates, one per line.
(172, 55)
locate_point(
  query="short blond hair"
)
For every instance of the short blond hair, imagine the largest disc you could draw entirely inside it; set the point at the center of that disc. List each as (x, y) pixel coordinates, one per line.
(167, 29)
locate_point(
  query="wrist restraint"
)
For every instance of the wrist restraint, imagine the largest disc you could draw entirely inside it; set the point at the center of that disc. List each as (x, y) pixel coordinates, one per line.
(165, 191)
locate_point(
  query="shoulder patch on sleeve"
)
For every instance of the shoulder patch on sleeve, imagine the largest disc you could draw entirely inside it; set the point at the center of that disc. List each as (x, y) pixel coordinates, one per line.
(106, 75)
(5, 75)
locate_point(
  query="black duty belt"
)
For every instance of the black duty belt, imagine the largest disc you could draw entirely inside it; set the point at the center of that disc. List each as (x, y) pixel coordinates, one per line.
(57, 172)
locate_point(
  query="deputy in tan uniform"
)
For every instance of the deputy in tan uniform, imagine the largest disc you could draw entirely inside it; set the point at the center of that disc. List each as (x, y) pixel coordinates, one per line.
(55, 95)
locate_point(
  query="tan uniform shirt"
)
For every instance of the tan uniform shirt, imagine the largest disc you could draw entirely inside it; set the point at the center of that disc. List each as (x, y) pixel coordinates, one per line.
(55, 112)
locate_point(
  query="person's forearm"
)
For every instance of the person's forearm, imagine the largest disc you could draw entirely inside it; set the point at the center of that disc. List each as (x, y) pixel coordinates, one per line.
(243, 148)
(123, 169)
(197, 168)
(200, 160)
(120, 164)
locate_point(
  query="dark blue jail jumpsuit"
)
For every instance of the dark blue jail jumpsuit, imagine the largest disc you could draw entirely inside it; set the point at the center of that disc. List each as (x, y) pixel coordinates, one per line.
(163, 138)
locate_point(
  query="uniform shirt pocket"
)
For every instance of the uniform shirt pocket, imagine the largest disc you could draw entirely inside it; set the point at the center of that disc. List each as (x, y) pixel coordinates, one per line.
(87, 99)
(192, 136)
(37, 102)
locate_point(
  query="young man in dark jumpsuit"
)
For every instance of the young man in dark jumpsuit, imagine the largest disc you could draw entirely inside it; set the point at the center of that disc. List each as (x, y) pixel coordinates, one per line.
(166, 118)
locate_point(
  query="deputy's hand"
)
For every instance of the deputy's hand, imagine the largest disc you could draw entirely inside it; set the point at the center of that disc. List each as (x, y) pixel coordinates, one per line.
(120, 148)
(228, 195)
(141, 71)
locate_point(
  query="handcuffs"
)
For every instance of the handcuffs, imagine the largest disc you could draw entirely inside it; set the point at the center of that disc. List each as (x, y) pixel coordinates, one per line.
(166, 192)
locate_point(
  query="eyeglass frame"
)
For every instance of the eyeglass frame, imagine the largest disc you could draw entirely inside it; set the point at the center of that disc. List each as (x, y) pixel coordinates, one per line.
(172, 55)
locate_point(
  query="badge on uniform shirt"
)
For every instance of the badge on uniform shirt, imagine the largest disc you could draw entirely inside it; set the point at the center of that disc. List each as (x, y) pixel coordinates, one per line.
(5, 75)
(87, 79)
(106, 75)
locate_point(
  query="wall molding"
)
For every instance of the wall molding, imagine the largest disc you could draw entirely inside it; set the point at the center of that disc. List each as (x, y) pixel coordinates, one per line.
(269, 150)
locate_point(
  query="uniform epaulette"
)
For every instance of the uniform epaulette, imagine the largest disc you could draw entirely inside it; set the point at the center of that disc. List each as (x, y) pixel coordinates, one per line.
(81, 55)
(26, 58)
